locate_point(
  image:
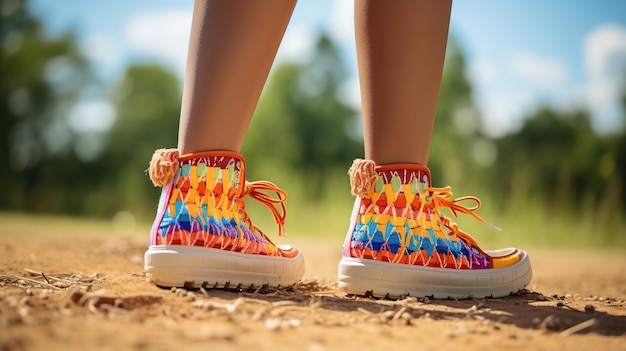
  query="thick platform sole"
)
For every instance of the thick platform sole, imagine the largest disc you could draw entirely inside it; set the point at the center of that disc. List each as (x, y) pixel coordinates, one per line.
(380, 279)
(193, 267)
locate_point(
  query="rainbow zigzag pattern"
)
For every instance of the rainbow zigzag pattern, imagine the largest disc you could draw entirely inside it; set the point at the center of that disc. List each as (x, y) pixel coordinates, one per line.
(203, 206)
(398, 223)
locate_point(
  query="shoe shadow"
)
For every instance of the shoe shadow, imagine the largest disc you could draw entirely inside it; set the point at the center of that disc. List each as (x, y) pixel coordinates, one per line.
(525, 310)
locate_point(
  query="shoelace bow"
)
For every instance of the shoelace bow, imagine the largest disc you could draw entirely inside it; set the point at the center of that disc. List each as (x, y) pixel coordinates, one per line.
(164, 165)
(363, 176)
(442, 197)
(255, 190)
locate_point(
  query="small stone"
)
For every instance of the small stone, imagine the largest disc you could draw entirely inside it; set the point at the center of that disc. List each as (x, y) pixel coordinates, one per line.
(119, 303)
(590, 308)
(294, 323)
(272, 324)
(200, 303)
(411, 299)
(560, 304)
(552, 323)
(389, 314)
(471, 311)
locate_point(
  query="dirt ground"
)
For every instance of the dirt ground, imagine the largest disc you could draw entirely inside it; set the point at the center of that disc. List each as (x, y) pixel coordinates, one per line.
(74, 289)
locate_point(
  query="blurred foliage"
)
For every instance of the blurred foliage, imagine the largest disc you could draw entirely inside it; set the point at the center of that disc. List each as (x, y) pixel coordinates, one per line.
(148, 104)
(41, 78)
(562, 157)
(303, 133)
(301, 124)
(457, 123)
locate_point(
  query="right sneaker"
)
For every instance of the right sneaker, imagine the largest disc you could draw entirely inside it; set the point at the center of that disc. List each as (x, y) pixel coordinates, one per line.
(202, 235)
(399, 243)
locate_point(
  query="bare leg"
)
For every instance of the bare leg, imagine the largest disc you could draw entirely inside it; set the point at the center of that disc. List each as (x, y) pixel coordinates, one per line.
(400, 47)
(231, 50)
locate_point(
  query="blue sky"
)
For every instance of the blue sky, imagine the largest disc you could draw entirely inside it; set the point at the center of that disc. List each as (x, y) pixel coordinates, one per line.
(520, 54)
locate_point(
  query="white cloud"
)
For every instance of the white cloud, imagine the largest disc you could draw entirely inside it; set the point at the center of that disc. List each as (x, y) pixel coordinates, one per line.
(499, 96)
(101, 48)
(163, 35)
(341, 25)
(340, 28)
(89, 119)
(542, 70)
(538, 79)
(502, 115)
(605, 64)
(296, 44)
(350, 92)
(482, 71)
(92, 116)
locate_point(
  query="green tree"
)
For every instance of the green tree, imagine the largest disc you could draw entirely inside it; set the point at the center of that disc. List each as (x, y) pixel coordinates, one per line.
(41, 79)
(615, 164)
(557, 156)
(540, 157)
(457, 125)
(148, 105)
(301, 124)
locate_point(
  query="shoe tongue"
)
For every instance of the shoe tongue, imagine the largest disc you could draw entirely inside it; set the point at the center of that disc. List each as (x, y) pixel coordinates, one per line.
(231, 161)
(405, 172)
(219, 159)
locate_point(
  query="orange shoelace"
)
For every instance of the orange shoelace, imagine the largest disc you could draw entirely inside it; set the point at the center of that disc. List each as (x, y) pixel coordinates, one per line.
(255, 190)
(363, 176)
(439, 198)
(164, 165)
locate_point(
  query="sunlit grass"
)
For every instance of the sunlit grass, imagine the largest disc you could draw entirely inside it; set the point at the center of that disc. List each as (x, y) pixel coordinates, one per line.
(15, 223)
(525, 221)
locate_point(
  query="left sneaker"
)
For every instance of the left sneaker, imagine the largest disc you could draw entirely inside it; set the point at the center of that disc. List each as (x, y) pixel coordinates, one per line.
(202, 234)
(399, 243)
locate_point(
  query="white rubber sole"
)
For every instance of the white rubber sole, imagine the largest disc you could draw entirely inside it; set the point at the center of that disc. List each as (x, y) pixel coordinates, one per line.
(193, 267)
(363, 277)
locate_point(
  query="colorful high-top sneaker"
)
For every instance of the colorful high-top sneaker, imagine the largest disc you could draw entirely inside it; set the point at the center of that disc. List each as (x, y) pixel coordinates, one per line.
(399, 243)
(202, 235)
